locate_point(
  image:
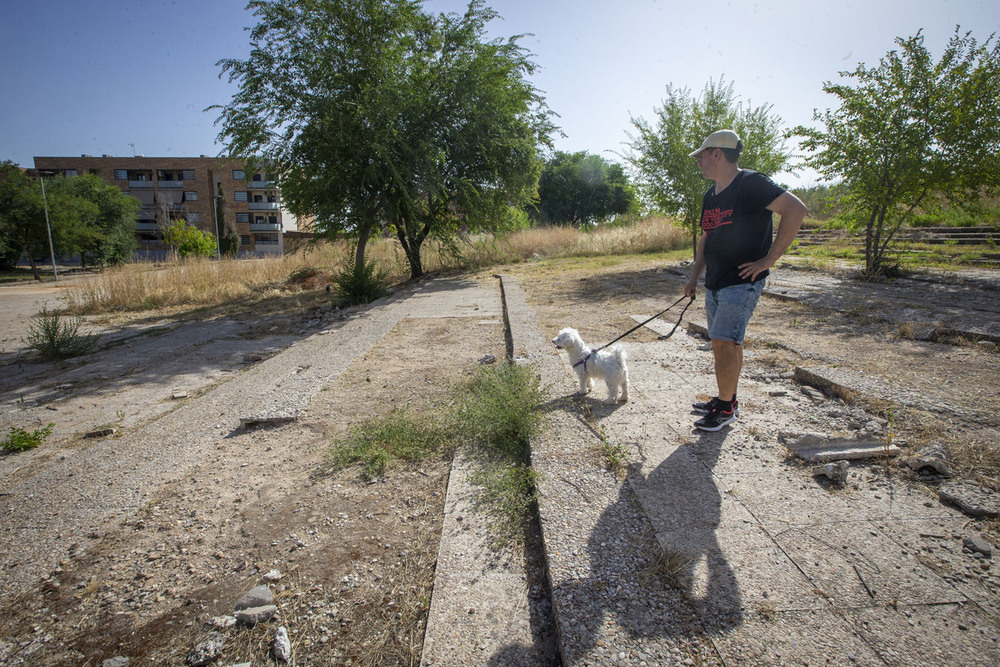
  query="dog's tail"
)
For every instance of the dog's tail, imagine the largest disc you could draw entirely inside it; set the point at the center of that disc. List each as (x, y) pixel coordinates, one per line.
(620, 354)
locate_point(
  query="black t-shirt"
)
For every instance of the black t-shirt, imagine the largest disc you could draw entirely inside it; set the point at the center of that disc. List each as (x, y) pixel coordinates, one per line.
(737, 227)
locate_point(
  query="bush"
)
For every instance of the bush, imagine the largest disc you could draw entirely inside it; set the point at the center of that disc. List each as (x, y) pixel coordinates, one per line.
(19, 440)
(55, 338)
(362, 284)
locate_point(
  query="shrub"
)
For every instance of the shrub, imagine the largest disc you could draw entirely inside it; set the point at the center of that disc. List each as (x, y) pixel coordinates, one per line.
(360, 284)
(56, 338)
(19, 440)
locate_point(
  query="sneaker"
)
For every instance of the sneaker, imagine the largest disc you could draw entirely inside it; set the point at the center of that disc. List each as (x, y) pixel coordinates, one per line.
(718, 417)
(704, 407)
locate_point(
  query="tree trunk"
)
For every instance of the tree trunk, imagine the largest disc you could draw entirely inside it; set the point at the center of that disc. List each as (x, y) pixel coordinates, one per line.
(34, 267)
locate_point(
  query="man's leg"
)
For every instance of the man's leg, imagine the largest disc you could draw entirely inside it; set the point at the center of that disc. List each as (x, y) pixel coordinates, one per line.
(728, 365)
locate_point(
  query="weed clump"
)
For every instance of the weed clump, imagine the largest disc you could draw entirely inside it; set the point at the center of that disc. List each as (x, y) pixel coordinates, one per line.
(494, 414)
(55, 337)
(19, 440)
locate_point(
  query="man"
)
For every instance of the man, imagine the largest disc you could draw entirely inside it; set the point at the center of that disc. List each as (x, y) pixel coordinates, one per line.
(735, 251)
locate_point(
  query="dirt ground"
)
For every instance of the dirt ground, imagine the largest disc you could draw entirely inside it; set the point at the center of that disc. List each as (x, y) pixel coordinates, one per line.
(356, 558)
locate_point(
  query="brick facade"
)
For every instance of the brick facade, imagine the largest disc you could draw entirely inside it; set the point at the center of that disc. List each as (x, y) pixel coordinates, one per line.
(185, 187)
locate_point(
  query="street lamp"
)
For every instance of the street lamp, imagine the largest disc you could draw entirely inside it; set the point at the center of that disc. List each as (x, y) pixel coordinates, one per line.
(48, 227)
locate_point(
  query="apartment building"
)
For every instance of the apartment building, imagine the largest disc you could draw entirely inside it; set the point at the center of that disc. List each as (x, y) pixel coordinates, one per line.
(186, 188)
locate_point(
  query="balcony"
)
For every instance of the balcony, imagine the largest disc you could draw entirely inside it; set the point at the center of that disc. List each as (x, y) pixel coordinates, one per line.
(140, 184)
(264, 206)
(147, 227)
(265, 227)
(170, 184)
(260, 185)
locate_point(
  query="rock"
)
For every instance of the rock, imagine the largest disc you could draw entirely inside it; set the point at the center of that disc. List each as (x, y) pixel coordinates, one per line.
(282, 645)
(256, 597)
(117, 661)
(978, 545)
(255, 615)
(272, 576)
(208, 650)
(836, 472)
(971, 498)
(488, 359)
(222, 622)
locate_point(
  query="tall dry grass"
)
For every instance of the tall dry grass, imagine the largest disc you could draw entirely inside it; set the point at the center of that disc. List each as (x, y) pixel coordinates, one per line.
(147, 286)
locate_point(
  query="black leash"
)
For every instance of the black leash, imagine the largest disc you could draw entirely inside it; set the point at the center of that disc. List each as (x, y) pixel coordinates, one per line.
(642, 324)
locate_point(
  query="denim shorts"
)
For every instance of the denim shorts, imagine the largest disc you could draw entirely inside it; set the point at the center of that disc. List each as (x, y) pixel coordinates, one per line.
(729, 310)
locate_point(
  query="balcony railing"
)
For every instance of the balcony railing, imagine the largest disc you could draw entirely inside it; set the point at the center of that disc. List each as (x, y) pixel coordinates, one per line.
(140, 184)
(170, 184)
(264, 206)
(146, 227)
(265, 227)
(260, 185)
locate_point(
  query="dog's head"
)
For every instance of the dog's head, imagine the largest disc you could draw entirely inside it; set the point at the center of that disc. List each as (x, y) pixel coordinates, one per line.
(565, 337)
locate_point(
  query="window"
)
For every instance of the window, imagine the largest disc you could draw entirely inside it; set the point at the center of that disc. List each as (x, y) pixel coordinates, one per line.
(258, 199)
(242, 217)
(190, 196)
(69, 172)
(245, 239)
(258, 178)
(121, 174)
(273, 220)
(272, 199)
(187, 175)
(241, 195)
(259, 220)
(238, 175)
(194, 217)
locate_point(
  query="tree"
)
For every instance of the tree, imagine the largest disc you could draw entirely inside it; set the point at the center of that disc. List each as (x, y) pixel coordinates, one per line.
(671, 181)
(187, 240)
(26, 223)
(580, 189)
(909, 131)
(109, 220)
(373, 112)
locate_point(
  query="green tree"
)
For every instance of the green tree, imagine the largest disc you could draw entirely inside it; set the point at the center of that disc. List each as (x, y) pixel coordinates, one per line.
(580, 189)
(372, 112)
(187, 240)
(909, 133)
(109, 219)
(25, 223)
(668, 179)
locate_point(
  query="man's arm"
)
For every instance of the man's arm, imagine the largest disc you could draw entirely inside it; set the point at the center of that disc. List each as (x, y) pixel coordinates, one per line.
(791, 211)
(699, 267)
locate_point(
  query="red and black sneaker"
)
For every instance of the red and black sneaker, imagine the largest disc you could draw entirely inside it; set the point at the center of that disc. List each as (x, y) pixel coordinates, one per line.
(720, 415)
(703, 408)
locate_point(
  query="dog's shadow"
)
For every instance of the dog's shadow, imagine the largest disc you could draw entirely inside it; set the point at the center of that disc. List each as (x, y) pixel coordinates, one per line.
(585, 406)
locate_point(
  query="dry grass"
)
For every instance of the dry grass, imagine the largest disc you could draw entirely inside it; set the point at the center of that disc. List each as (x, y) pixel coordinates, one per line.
(147, 286)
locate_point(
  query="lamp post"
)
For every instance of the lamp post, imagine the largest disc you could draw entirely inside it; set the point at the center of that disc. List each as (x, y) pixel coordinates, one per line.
(48, 227)
(215, 214)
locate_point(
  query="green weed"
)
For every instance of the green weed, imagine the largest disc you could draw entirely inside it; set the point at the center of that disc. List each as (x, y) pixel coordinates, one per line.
(19, 440)
(55, 337)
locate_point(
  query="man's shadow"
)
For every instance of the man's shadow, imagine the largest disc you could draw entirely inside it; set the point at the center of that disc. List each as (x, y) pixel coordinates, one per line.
(660, 574)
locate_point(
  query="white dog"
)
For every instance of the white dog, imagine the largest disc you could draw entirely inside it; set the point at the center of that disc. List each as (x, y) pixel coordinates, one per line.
(607, 364)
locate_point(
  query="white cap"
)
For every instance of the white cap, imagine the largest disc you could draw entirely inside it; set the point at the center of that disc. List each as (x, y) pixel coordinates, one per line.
(720, 139)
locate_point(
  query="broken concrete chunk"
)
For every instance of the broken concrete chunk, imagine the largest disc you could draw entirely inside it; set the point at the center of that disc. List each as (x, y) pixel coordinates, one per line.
(932, 459)
(818, 449)
(971, 498)
(208, 650)
(282, 647)
(836, 472)
(255, 615)
(256, 597)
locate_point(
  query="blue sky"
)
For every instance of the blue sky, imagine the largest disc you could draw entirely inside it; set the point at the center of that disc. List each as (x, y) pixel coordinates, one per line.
(116, 77)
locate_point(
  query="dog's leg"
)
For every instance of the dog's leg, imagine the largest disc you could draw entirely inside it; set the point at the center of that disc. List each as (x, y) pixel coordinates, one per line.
(624, 396)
